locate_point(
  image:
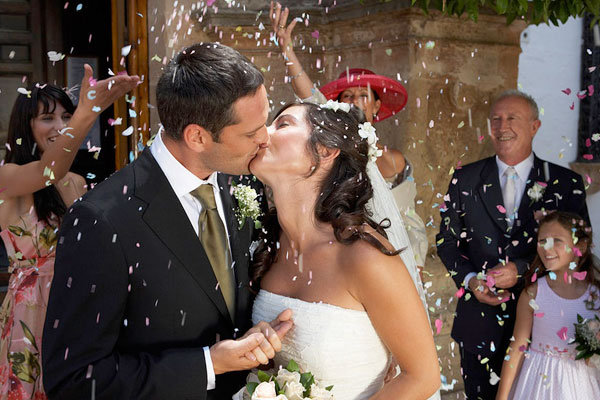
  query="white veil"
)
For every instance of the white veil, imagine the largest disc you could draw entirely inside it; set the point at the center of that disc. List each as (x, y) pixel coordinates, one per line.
(383, 205)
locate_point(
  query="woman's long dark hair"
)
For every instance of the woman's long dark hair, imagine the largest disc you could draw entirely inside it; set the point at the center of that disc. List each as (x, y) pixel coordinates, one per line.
(22, 148)
(344, 192)
(583, 233)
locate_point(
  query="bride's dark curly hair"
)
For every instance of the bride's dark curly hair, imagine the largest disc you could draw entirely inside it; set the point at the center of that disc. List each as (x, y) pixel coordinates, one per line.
(344, 191)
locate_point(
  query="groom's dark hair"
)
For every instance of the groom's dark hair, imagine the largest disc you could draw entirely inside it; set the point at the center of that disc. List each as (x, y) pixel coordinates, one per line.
(200, 85)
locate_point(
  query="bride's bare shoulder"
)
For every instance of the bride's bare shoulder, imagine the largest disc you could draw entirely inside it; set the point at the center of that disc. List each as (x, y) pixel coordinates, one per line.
(366, 254)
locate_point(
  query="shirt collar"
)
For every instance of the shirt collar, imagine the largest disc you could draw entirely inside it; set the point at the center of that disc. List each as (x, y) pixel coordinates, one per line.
(523, 168)
(182, 180)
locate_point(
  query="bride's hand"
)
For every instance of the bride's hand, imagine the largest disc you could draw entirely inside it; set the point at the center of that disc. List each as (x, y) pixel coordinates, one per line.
(274, 332)
(283, 33)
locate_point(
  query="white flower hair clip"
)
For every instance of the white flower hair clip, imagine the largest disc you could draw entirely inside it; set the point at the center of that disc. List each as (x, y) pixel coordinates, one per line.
(336, 105)
(367, 131)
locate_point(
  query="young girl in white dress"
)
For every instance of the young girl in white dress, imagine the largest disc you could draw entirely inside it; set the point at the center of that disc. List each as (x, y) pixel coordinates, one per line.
(559, 285)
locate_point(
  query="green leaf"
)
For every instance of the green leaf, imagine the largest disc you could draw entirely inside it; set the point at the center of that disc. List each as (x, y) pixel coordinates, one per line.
(523, 6)
(329, 388)
(18, 231)
(292, 366)
(579, 319)
(263, 376)
(251, 387)
(28, 334)
(307, 379)
(501, 6)
(510, 17)
(20, 366)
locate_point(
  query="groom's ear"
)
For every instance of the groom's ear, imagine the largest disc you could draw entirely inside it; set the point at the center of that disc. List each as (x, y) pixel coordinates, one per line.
(196, 137)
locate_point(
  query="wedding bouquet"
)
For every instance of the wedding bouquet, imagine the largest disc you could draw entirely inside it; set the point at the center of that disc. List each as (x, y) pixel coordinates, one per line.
(287, 384)
(587, 338)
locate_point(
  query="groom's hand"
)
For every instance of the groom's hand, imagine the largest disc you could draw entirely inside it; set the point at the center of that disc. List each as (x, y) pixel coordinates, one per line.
(230, 355)
(274, 332)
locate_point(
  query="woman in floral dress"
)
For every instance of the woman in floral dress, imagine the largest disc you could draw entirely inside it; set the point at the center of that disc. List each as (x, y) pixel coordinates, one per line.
(45, 132)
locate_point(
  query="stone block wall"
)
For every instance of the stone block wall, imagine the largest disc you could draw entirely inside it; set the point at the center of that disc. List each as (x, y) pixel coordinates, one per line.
(452, 69)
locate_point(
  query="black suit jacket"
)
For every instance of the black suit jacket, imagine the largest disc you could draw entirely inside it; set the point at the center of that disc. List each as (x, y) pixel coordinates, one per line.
(474, 236)
(134, 298)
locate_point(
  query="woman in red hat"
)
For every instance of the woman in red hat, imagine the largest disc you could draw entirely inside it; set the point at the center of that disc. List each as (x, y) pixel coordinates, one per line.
(379, 97)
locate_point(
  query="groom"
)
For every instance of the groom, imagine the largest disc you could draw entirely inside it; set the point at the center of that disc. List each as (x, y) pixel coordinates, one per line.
(150, 297)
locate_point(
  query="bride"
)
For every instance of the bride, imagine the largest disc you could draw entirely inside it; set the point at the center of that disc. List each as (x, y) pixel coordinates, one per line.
(354, 302)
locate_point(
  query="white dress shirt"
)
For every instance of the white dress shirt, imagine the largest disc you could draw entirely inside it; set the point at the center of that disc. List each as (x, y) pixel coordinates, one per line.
(183, 181)
(523, 169)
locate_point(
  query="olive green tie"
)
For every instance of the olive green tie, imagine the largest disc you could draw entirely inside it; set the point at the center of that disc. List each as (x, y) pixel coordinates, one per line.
(214, 240)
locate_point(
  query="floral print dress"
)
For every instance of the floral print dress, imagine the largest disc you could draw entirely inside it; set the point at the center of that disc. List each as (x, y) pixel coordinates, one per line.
(31, 246)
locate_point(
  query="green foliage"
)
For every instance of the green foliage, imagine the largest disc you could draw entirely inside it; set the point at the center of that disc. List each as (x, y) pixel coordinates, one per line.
(532, 11)
(293, 366)
(251, 387)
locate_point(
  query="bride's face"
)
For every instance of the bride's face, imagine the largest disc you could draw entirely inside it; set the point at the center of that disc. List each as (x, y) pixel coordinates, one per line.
(286, 156)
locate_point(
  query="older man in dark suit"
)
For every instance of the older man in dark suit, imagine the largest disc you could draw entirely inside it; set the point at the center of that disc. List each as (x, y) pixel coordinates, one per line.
(487, 235)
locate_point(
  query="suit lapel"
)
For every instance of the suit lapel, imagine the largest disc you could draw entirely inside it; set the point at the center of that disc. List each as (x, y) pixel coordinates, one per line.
(166, 217)
(239, 243)
(490, 192)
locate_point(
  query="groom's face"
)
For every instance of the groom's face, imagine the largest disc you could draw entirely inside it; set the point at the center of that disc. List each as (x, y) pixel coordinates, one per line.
(239, 143)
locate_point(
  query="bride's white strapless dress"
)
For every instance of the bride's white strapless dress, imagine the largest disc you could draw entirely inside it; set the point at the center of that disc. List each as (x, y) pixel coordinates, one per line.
(338, 345)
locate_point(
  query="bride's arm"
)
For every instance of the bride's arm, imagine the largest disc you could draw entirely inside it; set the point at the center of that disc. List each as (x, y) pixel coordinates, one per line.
(384, 287)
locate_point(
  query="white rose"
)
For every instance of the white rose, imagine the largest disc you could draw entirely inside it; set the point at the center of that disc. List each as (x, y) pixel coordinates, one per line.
(265, 390)
(294, 391)
(594, 325)
(284, 376)
(319, 393)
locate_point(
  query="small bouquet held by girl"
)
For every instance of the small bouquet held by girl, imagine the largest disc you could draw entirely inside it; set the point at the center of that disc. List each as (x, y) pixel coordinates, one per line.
(287, 384)
(587, 339)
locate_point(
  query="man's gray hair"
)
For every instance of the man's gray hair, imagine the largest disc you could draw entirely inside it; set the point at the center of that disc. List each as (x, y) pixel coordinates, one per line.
(535, 112)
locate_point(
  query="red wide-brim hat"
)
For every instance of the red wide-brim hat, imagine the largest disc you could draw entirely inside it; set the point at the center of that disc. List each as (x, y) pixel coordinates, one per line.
(392, 94)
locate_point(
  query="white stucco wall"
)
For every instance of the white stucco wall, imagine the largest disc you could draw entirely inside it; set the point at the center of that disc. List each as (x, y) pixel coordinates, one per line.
(549, 63)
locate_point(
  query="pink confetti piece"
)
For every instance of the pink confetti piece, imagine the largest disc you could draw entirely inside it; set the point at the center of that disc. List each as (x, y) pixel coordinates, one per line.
(566, 91)
(93, 81)
(539, 315)
(572, 106)
(315, 34)
(576, 251)
(490, 281)
(588, 142)
(588, 156)
(210, 2)
(591, 90)
(580, 276)
(459, 293)
(438, 326)
(501, 208)
(582, 95)
(562, 333)
(534, 277)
